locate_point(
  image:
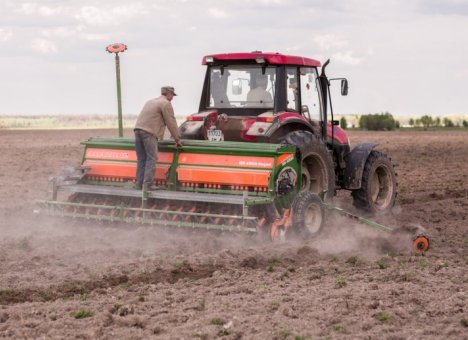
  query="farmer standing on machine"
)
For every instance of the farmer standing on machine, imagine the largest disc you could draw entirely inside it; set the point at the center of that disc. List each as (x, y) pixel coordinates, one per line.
(156, 114)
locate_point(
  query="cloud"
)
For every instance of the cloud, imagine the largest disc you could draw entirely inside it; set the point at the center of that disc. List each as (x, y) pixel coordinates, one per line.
(347, 58)
(43, 46)
(95, 16)
(5, 34)
(258, 3)
(31, 8)
(329, 41)
(114, 16)
(217, 13)
(49, 11)
(441, 7)
(62, 31)
(295, 48)
(272, 2)
(27, 8)
(94, 37)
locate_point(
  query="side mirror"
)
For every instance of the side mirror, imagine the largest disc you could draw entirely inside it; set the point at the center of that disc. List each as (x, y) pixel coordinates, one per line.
(237, 87)
(335, 122)
(344, 87)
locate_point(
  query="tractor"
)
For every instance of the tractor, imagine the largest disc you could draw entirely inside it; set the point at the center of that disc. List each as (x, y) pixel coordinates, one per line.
(294, 108)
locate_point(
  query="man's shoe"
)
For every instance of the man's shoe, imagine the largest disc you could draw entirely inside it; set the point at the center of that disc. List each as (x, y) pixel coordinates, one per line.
(137, 186)
(151, 187)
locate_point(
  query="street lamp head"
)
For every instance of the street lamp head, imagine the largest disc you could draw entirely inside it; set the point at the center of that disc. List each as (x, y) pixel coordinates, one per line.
(116, 48)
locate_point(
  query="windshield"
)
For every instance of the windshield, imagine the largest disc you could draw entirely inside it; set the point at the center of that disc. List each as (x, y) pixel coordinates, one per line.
(242, 86)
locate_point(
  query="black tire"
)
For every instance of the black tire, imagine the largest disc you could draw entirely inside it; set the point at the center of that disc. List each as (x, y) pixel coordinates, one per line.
(378, 190)
(308, 216)
(317, 165)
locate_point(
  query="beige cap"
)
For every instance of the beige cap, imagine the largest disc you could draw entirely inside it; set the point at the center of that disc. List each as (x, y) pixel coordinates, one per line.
(168, 89)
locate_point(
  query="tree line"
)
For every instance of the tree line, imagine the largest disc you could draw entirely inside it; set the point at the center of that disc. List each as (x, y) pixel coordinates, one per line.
(427, 122)
(386, 122)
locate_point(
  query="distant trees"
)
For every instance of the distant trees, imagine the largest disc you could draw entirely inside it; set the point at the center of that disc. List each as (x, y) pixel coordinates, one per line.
(386, 121)
(448, 122)
(343, 123)
(378, 122)
(427, 121)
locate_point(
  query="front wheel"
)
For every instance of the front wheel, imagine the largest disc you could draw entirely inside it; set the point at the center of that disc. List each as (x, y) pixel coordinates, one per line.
(378, 190)
(308, 216)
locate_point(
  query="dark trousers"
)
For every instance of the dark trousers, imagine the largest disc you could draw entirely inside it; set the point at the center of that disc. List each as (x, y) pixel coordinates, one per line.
(146, 147)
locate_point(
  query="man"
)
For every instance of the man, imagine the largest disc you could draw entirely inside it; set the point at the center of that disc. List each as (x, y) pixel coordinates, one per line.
(156, 114)
(259, 96)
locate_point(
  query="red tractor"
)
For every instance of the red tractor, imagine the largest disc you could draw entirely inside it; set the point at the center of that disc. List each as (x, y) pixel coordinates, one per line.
(275, 98)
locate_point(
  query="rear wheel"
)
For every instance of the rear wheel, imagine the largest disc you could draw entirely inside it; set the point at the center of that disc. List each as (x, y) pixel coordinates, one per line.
(378, 190)
(317, 165)
(308, 215)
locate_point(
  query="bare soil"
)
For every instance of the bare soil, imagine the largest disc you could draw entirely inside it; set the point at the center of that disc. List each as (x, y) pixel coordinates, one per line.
(71, 279)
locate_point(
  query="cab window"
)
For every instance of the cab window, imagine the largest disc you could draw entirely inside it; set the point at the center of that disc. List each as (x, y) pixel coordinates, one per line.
(310, 94)
(292, 89)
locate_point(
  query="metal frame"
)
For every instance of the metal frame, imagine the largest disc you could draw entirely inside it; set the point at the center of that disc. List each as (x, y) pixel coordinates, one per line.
(116, 213)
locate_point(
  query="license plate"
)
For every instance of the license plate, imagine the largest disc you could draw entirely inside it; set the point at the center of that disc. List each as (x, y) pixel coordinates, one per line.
(215, 135)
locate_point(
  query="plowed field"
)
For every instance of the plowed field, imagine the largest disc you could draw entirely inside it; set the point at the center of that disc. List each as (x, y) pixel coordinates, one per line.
(69, 279)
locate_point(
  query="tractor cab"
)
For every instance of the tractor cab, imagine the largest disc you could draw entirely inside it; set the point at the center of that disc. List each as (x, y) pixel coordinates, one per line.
(259, 97)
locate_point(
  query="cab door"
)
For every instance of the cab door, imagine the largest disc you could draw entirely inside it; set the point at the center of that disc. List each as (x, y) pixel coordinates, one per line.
(311, 106)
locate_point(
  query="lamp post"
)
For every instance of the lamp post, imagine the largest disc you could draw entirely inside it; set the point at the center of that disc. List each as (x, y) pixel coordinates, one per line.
(117, 48)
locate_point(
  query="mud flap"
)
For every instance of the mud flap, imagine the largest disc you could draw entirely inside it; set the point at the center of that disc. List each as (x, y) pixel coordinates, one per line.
(355, 163)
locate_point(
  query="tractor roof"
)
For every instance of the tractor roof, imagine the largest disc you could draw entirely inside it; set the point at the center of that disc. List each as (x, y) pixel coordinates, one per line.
(270, 58)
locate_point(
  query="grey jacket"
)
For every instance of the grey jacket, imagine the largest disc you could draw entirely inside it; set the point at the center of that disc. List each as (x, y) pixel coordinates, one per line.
(155, 116)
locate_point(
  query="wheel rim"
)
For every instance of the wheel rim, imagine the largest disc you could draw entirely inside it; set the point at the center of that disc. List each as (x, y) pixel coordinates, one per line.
(381, 187)
(313, 218)
(314, 175)
(305, 179)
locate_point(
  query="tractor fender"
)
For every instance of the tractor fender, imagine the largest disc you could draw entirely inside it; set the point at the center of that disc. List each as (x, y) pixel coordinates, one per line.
(194, 128)
(294, 124)
(355, 162)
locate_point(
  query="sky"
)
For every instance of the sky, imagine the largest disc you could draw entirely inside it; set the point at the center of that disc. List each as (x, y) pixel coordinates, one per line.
(407, 57)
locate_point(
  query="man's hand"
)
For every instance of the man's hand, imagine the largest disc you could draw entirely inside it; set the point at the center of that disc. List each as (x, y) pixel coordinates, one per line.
(178, 144)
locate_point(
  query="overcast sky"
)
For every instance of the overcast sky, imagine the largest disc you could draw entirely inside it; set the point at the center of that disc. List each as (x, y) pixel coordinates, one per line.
(401, 56)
